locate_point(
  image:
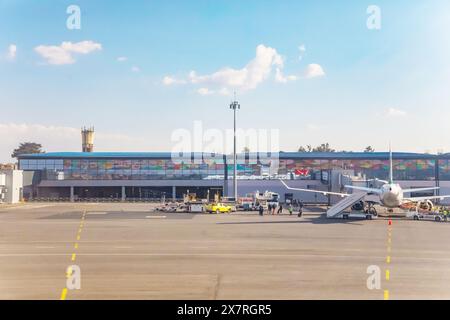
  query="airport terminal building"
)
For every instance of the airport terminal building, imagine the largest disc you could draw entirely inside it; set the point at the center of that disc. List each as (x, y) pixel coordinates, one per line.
(144, 176)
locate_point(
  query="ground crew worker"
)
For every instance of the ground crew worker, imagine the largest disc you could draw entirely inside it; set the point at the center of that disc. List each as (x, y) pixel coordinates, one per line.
(446, 213)
(261, 210)
(280, 209)
(300, 209)
(290, 209)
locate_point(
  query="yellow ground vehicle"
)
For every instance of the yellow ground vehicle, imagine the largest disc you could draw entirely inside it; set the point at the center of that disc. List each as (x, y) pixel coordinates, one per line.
(218, 208)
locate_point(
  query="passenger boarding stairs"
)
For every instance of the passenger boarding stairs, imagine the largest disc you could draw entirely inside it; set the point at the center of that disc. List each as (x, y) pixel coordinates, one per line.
(347, 202)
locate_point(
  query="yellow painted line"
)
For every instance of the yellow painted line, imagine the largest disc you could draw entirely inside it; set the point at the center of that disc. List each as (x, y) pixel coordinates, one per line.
(386, 294)
(69, 269)
(388, 259)
(388, 275)
(389, 240)
(389, 248)
(64, 294)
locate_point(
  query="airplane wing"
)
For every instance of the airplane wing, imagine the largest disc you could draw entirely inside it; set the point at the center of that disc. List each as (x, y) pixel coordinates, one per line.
(316, 191)
(420, 189)
(368, 190)
(417, 199)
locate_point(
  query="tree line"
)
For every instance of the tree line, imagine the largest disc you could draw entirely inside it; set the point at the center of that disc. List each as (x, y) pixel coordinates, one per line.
(33, 147)
(325, 147)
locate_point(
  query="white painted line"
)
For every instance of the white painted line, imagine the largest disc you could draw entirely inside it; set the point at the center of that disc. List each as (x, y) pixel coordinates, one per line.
(96, 213)
(155, 217)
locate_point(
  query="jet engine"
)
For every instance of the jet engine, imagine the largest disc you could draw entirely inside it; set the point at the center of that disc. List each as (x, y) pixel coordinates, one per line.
(426, 205)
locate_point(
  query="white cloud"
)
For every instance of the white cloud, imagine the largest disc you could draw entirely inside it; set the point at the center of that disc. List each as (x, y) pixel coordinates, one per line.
(135, 69)
(393, 112)
(83, 47)
(168, 81)
(224, 92)
(249, 77)
(122, 59)
(204, 91)
(279, 77)
(302, 50)
(255, 72)
(12, 52)
(63, 54)
(314, 71)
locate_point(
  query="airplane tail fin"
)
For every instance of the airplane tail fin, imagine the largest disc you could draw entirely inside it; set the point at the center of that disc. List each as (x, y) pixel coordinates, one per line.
(391, 166)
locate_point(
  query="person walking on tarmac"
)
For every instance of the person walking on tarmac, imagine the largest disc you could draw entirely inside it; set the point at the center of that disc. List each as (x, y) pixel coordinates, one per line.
(280, 209)
(300, 209)
(291, 209)
(261, 210)
(271, 209)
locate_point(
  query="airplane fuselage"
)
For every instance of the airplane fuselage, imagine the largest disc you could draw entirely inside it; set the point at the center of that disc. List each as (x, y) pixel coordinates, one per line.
(391, 195)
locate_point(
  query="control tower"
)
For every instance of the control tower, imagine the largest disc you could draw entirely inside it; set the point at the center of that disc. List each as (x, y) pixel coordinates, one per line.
(87, 139)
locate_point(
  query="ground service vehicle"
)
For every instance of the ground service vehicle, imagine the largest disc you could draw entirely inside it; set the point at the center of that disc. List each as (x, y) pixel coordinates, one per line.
(219, 208)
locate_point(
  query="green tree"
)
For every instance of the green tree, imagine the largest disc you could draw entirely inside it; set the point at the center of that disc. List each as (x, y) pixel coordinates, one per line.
(324, 147)
(27, 148)
(308, 148)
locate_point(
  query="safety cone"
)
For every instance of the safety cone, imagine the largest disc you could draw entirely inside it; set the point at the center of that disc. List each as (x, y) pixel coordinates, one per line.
(390, 222)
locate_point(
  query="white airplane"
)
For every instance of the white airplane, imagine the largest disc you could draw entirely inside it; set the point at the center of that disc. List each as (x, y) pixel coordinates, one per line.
(391, 195)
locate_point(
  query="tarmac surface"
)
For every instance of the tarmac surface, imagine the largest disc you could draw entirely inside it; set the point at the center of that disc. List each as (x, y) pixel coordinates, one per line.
(128, 251)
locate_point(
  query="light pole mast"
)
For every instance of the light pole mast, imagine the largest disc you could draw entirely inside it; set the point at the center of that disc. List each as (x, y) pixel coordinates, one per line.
(235, 105)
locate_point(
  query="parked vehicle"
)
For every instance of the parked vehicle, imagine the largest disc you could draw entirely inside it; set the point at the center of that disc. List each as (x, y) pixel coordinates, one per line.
(427, 215)
(219, 208)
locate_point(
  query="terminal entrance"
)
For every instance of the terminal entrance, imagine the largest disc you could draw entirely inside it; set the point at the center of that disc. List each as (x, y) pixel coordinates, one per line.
(148, 193)
(97, 192)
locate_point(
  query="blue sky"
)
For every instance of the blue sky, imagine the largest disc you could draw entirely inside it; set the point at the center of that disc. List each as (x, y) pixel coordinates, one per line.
(372, 86)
